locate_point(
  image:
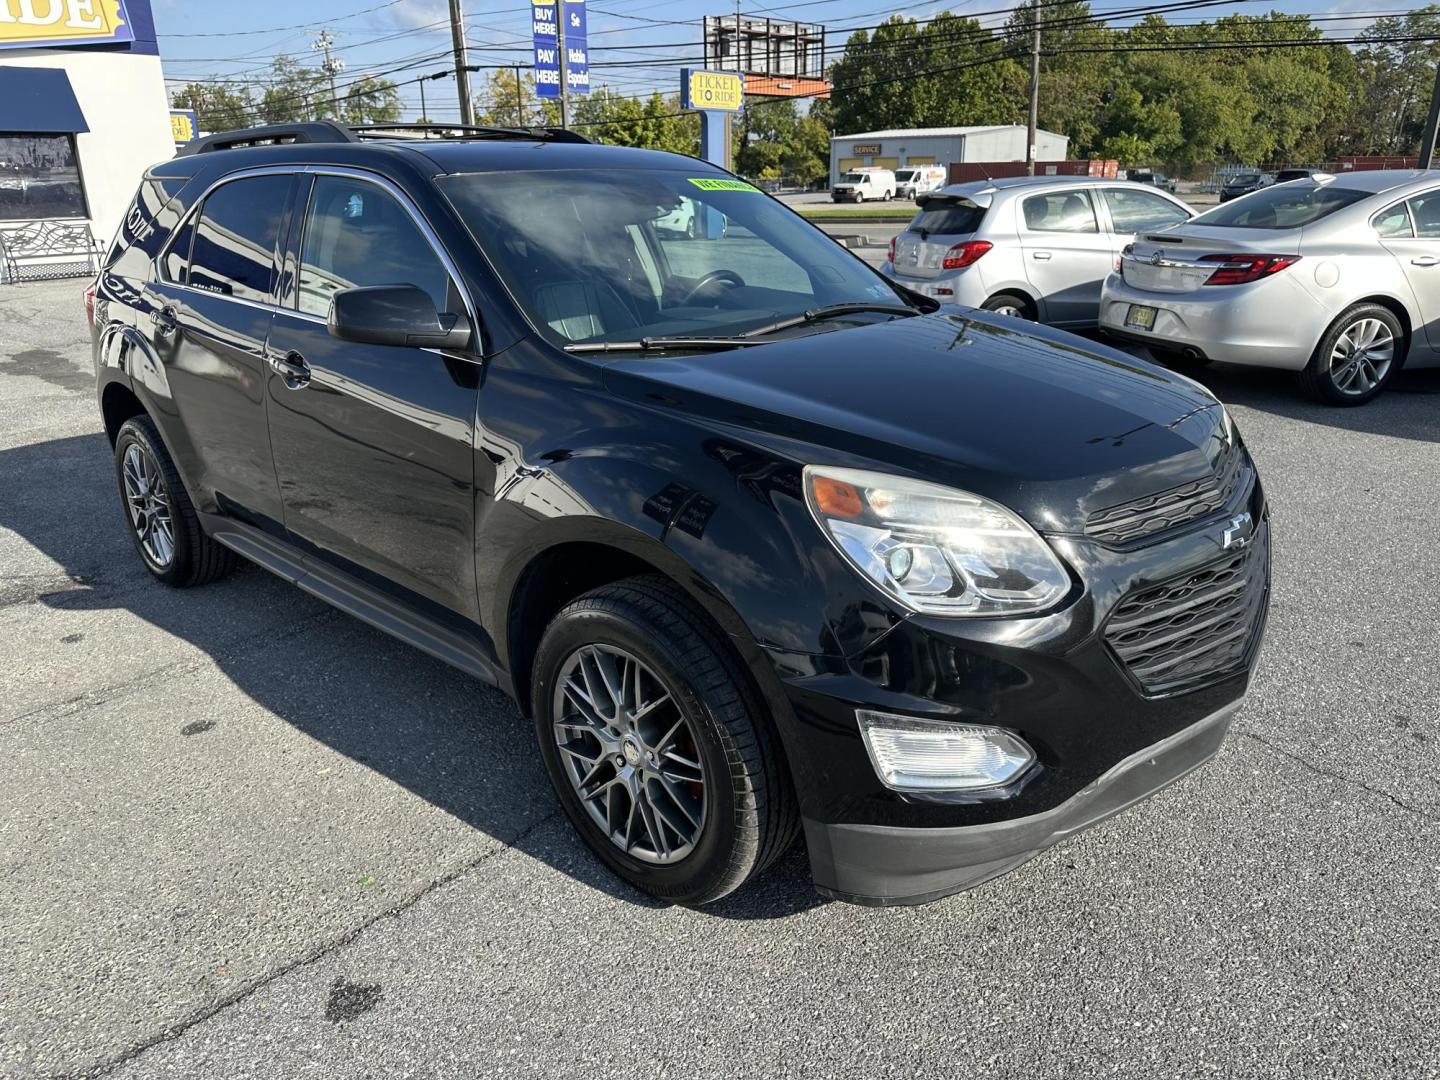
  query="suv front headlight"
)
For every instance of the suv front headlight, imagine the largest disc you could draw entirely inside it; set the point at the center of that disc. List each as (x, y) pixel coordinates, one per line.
(935, 549)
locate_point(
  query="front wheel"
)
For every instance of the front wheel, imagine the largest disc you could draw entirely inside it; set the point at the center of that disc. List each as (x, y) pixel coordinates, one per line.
(655, 744)
(1357, 357)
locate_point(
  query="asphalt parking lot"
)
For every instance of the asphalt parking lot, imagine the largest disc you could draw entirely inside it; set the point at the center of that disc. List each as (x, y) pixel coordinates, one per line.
(243, 835)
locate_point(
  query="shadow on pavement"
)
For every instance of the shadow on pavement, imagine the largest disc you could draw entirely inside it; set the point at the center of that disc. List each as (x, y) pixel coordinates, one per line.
(455, 742)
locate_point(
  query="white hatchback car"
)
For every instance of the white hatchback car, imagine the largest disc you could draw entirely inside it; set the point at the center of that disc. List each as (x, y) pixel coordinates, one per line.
(1337, 278)
(1037, 247)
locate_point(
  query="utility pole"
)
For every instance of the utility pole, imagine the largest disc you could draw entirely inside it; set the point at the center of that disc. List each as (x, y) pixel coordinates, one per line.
(332, 66)
(560, 18)
(1032, 127)
(462, 74)
(519, 100)
(1427, 143)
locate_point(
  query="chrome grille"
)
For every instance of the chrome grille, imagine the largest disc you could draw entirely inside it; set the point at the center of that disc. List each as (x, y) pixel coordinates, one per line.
(1153, 514)
(1195, 627)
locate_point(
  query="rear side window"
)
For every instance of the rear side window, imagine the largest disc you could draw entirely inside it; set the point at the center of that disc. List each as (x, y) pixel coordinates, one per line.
(1282, 207)
(1425, 209)
(1394, 221)
(946, 217)
(1060, 211)
(176, 264)
(1140, 211)
(236, 236)
(357, 234)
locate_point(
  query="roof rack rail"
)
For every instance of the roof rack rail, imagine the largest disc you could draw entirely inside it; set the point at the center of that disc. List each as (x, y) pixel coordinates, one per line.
(316, 131)
(468, 131)
(328, 131)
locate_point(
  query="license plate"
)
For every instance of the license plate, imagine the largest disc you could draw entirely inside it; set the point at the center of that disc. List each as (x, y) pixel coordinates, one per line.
(1140, 317)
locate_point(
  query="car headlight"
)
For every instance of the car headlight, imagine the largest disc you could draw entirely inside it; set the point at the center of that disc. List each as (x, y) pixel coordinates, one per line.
(935, 549)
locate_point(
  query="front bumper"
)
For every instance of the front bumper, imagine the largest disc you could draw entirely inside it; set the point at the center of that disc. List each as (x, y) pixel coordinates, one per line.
(883, 866)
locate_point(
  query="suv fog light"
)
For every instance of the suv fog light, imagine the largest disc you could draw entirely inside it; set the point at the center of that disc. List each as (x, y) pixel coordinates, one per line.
(910, 754)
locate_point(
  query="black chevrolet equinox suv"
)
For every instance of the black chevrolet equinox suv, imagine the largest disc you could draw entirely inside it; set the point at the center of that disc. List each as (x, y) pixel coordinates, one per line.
(764, 543)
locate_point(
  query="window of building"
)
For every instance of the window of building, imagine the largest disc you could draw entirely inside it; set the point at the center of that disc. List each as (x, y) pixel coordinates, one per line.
(236, 237)
(357, 234)
(40, 178)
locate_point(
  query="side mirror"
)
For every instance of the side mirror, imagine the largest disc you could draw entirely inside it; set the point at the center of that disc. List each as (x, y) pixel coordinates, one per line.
(395, 315)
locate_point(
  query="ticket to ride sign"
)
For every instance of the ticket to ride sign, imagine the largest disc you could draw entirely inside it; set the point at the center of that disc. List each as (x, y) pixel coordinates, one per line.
(721, 91)
(29, 24)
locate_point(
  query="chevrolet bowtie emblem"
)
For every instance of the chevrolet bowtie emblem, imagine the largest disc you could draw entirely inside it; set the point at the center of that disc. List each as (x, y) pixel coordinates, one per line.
(1239, 533)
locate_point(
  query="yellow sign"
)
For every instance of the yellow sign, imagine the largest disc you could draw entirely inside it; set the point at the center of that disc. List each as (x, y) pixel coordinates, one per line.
(718, 90)
(183, 125)
(30, 23)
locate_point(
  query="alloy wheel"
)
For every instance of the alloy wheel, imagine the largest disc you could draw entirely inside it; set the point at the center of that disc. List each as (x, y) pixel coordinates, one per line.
(149, 505)
(630, 753)
(1362, 357)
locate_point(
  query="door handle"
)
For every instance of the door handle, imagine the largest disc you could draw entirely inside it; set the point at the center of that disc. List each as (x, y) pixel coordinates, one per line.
(164, 320)
(292, 368)
(1041, 255)
(1425, 260)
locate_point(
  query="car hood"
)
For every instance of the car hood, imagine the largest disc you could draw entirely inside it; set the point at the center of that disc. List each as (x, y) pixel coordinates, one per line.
(1050, 424)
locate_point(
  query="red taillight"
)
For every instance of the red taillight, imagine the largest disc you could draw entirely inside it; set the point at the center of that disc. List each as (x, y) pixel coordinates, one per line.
(90, 305)
(891, 256)
(963, 254)
(1241, 268)
(1128, 249)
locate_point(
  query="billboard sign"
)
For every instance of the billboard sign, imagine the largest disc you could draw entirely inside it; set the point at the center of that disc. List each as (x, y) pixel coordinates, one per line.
(545, 34)
(719, 91)
(29, 24)
(577, 48)
(184, 124)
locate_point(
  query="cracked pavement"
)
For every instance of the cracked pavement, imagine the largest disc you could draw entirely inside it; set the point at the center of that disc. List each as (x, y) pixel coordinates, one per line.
(244, 835)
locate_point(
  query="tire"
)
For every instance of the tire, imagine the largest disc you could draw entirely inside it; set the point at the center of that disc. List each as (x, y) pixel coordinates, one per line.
(152, 498)
(1372, 331)
(859, 197)
(740, 818)
(1012, 304)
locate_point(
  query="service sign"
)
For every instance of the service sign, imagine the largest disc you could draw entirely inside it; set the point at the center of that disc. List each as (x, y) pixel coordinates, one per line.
(545, 32)
(29, 24)
(184, 125)
(718, 91)
(863, 149)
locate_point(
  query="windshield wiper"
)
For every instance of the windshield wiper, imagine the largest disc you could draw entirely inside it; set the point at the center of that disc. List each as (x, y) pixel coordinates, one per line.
(659, 344)
(826, 312)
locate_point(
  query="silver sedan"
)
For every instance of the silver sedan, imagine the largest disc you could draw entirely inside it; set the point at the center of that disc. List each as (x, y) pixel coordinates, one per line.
(1336, 278)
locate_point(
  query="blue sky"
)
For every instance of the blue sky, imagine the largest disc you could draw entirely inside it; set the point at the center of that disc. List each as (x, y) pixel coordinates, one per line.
(649, 38)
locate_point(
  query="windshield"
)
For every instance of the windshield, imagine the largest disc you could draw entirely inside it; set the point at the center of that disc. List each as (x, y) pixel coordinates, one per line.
(852, 178)
(947, 217)
(1243, 178)
(623, 254)
(1287, 207)
(906, 175)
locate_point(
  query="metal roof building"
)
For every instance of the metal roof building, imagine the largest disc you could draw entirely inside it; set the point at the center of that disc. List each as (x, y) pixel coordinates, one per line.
(940, 146)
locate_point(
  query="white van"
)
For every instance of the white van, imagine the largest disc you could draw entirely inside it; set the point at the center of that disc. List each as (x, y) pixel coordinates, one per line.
(869, 182)
(915, 180)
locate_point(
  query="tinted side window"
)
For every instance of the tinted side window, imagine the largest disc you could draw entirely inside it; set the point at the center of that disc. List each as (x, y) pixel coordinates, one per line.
(236, 235)
(176, 264)
(1426, 210)
(357, 234)
(1394, 221)
(1137, 211)
(1060, 211)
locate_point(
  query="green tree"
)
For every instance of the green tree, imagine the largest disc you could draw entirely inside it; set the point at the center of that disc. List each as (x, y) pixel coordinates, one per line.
(508, 100)
(1396, 78)
(294, 93)
(216, 107)
(371, 100)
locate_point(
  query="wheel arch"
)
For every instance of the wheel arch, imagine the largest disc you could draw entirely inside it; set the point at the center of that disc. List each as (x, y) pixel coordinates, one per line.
(1396, 307)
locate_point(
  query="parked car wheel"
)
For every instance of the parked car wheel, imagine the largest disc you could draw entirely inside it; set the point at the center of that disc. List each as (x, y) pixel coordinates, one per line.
(1012, 304)
(656, 746)
(1357, 357)
(163, 524)
(859, 196)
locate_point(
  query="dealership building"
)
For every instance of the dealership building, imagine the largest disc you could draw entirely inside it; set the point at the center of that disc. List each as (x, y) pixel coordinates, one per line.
(940, 146)
(83, 110)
